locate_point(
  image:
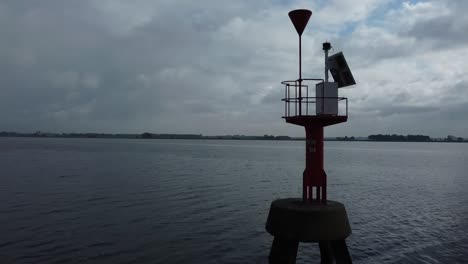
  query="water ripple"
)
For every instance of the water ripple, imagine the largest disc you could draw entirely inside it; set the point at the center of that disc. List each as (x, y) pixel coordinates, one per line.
(74, 201)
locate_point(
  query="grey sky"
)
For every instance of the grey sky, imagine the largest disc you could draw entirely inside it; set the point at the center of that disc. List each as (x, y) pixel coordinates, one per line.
(215, 67)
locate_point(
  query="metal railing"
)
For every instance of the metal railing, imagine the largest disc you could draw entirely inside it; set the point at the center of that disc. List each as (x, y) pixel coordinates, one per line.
(296, 104)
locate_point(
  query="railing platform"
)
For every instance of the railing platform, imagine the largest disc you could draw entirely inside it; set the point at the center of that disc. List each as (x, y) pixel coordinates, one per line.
(323, 120)
(302, 109)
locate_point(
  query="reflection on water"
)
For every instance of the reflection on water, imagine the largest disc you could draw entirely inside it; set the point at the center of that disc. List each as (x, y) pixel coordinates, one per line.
(183, 201)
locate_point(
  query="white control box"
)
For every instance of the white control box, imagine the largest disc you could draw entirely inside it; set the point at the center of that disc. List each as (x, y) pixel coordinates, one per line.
(327, 98)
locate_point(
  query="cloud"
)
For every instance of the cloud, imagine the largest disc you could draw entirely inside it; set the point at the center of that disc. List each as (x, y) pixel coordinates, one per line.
(215, 67)
(439, 24)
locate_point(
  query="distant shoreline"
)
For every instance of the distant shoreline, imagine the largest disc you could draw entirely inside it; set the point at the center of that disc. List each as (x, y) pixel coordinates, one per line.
(371, 138)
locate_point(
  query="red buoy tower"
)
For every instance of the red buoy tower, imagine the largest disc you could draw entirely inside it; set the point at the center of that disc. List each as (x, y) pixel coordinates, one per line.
(312, 218)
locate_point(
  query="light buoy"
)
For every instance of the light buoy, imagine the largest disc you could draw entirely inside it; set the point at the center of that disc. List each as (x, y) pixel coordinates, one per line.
(312, 218)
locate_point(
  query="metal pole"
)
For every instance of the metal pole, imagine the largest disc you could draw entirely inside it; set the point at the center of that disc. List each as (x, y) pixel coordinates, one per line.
(326, 65)
(300, 75)
(326, 48)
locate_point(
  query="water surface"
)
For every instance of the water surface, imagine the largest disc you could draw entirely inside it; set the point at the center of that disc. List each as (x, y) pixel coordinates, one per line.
(197, 201)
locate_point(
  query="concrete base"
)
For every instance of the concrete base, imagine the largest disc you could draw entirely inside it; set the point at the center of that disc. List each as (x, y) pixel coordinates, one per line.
(291, 221)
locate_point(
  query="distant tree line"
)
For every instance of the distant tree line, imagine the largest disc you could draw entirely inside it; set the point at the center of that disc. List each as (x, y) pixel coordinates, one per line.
(67, 135)
(450, 138)
(171, 136)
(414, 138)
(400, 138)
(346, 138)
(147, 135)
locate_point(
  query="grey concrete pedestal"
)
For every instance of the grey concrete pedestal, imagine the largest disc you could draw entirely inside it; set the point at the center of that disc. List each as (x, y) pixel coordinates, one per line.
(291, 221)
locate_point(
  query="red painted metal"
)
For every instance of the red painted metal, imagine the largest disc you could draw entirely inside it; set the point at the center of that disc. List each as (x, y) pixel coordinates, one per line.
(314, 188)
(314, 178)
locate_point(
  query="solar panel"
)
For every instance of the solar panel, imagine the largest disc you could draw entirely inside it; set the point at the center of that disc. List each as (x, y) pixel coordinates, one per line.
(340, 71)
